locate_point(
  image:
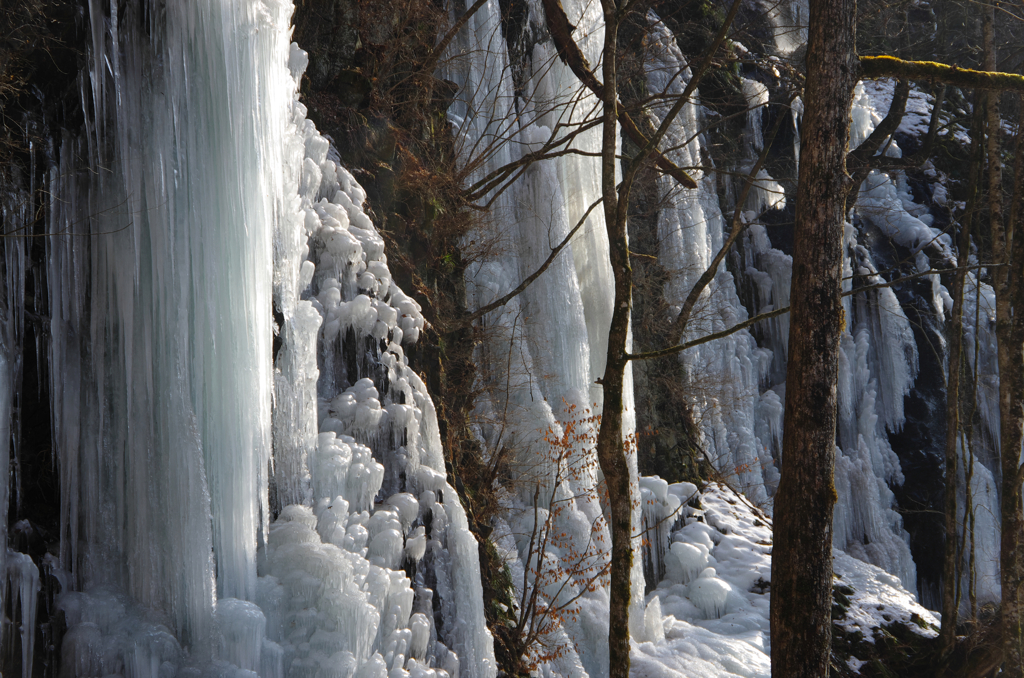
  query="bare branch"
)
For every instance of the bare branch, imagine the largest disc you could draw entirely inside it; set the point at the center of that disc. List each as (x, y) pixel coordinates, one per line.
(435, 56)
(768, 315)
(886, 163)
(570, 53)
(859, 159)
(651, 145)
(536, 274)
(738, 226)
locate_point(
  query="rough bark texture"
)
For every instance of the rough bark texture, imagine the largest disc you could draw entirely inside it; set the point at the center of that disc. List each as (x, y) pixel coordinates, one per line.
(1010, 333)
(1010, 360)
(802, 554)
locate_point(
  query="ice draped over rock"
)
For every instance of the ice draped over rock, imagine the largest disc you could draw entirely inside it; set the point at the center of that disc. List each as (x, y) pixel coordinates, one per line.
(197, 217)
(252, 479)
(531, 361)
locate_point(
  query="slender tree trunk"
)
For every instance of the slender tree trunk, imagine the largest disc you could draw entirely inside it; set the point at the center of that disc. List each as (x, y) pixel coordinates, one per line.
(969, 524)
(972, 588)
(953, 555)
(1010, 359)
(611, 451)
(950, 565)
(801, 625)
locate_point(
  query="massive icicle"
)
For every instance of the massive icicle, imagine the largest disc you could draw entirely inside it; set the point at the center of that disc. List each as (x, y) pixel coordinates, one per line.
(198, 199)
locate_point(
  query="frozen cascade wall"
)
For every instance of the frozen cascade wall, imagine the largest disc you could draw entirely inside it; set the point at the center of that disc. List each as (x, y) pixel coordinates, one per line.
(19, 576)
(740, 382)
(978, 467)
(544, 350)
(537, 346)
(740, 424)
(183, 428)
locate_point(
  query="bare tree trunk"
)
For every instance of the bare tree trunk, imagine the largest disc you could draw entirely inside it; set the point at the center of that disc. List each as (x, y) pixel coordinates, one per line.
(611, 451)
(952, 564)
(801, 626)
(1010, 359)
(1010, 334)
(969, 524)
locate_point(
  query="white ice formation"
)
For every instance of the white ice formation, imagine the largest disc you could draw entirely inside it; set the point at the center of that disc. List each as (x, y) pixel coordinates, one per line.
(237, 505)
(544, 350)
(209, 200)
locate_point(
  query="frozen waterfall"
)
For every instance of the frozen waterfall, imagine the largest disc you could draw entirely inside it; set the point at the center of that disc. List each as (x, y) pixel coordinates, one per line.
(227, 347)
(252, 479)
(534, 359)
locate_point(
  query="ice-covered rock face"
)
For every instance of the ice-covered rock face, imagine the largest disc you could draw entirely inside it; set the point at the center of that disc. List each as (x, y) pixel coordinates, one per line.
(539, 346)
(376, 473)
(182, 432)
(333, 587)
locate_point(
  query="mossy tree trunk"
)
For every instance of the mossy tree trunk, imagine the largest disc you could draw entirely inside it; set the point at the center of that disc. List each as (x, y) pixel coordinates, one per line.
(801, 625)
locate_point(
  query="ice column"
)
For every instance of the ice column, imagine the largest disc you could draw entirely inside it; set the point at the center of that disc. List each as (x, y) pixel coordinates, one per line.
(725, 375)
(160, 269)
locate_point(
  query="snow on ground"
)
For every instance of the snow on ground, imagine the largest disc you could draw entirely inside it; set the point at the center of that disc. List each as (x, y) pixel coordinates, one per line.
(715, 595)
(879, 599)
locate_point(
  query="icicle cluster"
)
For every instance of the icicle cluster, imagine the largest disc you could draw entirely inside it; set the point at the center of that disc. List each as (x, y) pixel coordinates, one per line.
(194, 220)
(365, 448)
(543, 352)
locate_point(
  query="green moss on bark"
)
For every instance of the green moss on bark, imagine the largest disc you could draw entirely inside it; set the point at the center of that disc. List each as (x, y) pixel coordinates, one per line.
(872, 67)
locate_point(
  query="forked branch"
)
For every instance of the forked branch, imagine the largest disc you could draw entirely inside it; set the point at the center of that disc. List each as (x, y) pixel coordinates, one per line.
(570, 53)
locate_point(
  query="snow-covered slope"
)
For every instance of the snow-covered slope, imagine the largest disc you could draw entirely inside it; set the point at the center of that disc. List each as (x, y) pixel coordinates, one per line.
(709, 617)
